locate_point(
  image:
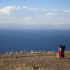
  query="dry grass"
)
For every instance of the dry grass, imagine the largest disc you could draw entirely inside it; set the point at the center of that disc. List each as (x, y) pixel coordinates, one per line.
(34, 61)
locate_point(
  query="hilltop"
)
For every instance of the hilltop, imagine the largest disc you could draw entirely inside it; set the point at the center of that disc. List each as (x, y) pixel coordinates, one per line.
(34, 61)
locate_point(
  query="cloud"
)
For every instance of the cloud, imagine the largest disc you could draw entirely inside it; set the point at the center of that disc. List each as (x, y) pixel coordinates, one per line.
(39, 20)
(50, 14)
(45, 10)
(56, 10)
(24, 7)
(66, 11)
(46, 18)
(27, 18)
(8, 9)
(39, 9)
(34, 9)
(29, 8)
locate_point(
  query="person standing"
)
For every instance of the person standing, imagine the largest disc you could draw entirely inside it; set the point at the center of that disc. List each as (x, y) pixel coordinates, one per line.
(61, 51)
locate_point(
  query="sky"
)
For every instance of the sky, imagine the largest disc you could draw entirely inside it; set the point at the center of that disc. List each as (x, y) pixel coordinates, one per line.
(49, 14)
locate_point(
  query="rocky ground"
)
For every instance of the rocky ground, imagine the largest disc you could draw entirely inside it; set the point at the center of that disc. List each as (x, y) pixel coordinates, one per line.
(34, 61)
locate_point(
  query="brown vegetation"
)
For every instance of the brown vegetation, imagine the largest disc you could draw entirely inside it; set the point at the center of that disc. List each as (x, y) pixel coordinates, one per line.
(34, 61)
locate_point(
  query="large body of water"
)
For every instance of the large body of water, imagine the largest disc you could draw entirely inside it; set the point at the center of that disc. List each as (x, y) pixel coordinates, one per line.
(36, 40)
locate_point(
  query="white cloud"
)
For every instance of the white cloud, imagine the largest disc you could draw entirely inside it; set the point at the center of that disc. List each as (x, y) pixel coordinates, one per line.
(8, 9)
(55, 10)
(45, 10)
(27, 18)
(39, 20)
(50, 14)
(24, 7)
(67, 11)
(29, 8)
(34, 9)
(17, 8)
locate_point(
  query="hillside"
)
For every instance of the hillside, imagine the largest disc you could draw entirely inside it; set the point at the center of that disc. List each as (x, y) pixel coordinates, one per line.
(34, 61)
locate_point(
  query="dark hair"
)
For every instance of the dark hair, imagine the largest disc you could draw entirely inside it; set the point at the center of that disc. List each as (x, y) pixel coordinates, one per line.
(62, 48)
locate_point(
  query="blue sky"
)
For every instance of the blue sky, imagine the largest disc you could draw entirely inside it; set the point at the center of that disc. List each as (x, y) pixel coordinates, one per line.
(51, 14)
